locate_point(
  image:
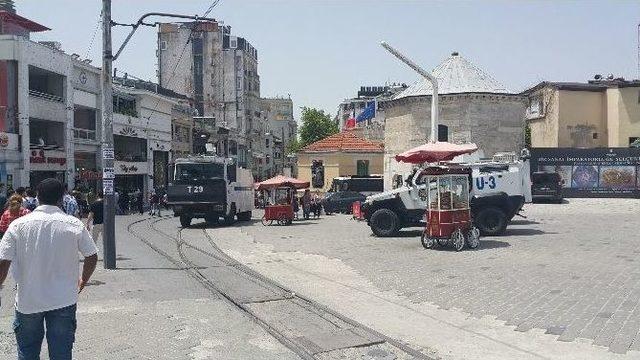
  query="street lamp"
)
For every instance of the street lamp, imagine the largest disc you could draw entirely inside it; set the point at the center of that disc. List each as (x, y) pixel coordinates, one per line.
(426, 75)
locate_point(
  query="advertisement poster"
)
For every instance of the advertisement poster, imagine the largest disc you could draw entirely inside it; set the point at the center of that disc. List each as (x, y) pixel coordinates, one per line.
(601, 172)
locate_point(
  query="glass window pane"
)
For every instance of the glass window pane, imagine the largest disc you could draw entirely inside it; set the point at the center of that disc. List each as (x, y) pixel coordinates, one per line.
(460, 192)
(444, 190)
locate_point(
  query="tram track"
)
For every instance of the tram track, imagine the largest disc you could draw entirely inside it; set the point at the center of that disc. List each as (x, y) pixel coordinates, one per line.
(300, 345)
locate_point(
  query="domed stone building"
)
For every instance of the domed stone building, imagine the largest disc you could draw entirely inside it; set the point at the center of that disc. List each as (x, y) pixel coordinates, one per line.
(473, 107)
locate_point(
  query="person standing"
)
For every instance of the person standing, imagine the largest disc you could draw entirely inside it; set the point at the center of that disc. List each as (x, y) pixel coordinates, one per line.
(14, 211)
(3, 197)
(95, 218)
(116, 200)
(30, 202)
(140, 202)
(69, 203)
(153, 201)
(42, 250)
(306, 204)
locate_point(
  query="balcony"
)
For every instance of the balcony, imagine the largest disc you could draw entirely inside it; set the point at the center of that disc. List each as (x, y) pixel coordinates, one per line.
(84, 134)
(46, 96)
(46, 85)
(84, 124)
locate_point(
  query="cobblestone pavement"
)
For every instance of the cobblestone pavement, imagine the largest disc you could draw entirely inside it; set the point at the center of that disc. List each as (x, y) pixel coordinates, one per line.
(148, 309)
(570, 273)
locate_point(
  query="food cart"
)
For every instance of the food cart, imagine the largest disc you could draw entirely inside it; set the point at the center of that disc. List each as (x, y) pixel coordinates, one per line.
(448, 216)
(445, 186)
(279, 193)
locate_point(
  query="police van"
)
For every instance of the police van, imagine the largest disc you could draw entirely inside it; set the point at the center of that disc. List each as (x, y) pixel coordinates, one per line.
(210, 188)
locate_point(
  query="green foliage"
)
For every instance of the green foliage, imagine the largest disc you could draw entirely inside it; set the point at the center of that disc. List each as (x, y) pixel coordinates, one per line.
(293, 146)
(527, 136)
(316, 125)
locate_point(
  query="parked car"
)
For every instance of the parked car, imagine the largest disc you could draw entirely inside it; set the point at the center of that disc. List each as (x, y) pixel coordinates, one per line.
(341, 201)
(547, 186)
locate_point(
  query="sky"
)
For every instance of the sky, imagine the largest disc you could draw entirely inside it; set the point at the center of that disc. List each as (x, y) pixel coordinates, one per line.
(321, 52)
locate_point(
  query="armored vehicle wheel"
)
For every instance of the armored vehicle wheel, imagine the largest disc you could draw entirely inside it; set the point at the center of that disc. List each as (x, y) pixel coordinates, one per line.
(185, 221)
(244, 216)
(473, 237)
(229, 219)
(457, 240)
(427, 242)
(212, 219)
(266, 222)
(491, 221)
(384, 222)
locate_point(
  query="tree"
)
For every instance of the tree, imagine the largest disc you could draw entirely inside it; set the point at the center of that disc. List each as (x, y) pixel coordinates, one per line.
(293, 146)
(316, 125)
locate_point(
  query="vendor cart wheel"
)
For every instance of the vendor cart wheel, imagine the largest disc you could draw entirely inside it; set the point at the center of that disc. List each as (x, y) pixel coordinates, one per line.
(473, 237)
(443, 242)
(266, 222)
(457, 239)
(427, 242)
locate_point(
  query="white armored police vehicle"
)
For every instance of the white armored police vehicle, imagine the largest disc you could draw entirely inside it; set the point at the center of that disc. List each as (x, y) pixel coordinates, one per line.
(210, 187)
(499, 189)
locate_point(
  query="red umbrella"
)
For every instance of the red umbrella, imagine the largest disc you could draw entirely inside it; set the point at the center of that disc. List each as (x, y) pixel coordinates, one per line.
(435, 152)
(282, 181)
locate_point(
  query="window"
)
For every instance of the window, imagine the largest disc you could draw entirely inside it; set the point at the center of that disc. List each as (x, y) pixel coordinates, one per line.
(362, 167)
(535, 108)
(266, 143)
(595, 136)
(317, 174)
(163, 45)
(443, 133)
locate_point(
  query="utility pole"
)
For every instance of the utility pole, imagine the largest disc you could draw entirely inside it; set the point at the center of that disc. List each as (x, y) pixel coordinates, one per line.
(430, 78)
(109, 238)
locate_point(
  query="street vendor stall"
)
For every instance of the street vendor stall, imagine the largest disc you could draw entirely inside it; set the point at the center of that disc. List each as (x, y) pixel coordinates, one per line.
(446, 188)
(279, 193)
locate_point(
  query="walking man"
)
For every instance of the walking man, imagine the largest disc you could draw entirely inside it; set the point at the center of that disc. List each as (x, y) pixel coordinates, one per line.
(69, 203)
(42, 249)
(95, 218)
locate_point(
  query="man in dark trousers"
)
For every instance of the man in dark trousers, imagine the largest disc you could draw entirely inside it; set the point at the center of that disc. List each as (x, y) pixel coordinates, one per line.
(139, 202)
(42, 249)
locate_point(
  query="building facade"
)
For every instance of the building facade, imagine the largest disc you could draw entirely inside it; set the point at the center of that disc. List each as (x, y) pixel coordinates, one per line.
(220, 72)
(342, 154)
(597, 113)
(51, 100)
(283, 129)
(473, 107)
(145, 117)
(372, 129)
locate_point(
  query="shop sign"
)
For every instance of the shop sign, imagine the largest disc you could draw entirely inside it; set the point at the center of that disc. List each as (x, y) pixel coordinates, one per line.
(130, 168)
(107, 186)
(600, 172)
(8, 141)
(48, 159)
(108, 173)
(4, 140)
(88, 175)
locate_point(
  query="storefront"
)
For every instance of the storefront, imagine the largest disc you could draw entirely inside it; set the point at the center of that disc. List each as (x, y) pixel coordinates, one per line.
(131, 177)
(47, 164)
(86, 174)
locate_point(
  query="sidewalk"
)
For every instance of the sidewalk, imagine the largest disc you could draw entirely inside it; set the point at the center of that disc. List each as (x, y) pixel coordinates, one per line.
(148, 309)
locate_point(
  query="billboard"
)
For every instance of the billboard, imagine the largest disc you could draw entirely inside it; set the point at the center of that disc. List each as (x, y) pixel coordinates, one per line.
(600, 172)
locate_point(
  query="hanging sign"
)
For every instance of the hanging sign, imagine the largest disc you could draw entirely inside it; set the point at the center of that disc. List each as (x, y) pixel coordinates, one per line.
(107, 186)
(107, 154)
(108, 173)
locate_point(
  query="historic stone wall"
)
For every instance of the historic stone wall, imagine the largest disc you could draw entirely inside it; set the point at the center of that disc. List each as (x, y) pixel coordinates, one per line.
(494, 122)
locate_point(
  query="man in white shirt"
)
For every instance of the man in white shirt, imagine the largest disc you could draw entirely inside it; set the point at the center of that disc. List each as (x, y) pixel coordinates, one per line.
(43, 248)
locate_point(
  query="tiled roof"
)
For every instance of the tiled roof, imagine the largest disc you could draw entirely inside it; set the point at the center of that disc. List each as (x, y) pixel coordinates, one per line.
(456, 75)
(344, 141)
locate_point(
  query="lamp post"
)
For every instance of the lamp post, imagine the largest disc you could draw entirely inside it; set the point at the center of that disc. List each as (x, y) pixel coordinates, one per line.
(426, 75)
